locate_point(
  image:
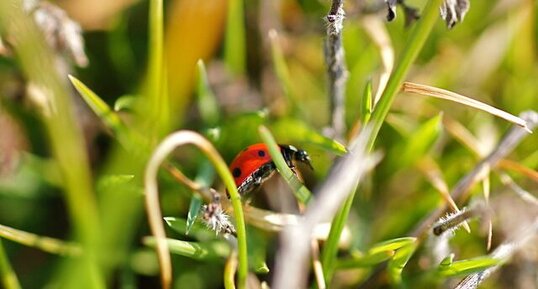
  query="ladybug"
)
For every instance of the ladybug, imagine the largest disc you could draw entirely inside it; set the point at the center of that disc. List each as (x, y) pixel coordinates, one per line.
(253, 166)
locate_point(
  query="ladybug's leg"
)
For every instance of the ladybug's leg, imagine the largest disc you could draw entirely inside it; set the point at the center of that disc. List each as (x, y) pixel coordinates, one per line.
(257, 178)
(263, 173)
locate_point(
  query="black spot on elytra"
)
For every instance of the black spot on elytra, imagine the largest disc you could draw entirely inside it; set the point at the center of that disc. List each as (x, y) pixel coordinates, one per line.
(236, 172)
(261, 153)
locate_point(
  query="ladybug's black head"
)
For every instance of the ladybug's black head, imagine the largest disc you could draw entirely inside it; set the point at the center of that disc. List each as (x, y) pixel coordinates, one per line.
(292, 153)
(303, 156)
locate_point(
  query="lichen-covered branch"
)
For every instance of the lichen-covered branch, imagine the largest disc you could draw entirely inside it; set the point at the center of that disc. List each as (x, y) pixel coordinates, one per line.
(336, 67)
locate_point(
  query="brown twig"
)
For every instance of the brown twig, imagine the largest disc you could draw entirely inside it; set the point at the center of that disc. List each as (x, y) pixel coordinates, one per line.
(460, 191)
(507, 144)
(336, 67)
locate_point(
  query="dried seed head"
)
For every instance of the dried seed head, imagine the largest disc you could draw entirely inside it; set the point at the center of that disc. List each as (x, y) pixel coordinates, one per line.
(453, 11)
(391, 9)
(61, 33)
(216, 219)
(452, 221)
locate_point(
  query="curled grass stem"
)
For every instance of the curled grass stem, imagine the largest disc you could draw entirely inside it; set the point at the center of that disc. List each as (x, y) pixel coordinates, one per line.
(154, 212)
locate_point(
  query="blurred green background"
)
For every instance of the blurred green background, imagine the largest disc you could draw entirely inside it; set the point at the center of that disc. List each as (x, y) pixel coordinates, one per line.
(255, 79)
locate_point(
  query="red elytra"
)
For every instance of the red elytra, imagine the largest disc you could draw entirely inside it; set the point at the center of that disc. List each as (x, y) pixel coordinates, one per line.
(253, 166)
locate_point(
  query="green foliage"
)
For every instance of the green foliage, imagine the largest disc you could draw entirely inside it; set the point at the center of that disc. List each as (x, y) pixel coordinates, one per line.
(449, 268)
(273, 90)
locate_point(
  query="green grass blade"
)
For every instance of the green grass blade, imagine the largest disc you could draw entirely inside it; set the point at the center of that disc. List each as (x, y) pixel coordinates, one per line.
(125, 103)
(196, 250)
(111, 181)
(282, 72)
(367, 101)
(235, 40)
(194, 209)
(198, 230)
(302, 194)
(328, 255)
(364, 261)
(419, 142)
(207, 103)
(157, 93)
(398, 262)
(257, 242)
(391, 245)
(414, 45)
(466, 267)
(103, 111)
(127, 138)
(8, 277)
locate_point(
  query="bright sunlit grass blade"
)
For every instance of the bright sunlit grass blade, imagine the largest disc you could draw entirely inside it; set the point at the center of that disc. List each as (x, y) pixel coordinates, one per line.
(452, 96)
(302, 194)
(465, 267)
(8, 278)
(235, 40)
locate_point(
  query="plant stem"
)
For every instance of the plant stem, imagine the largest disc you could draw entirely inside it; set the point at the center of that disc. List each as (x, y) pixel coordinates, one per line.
(415, 43)
(157, 92)
(7, 275)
